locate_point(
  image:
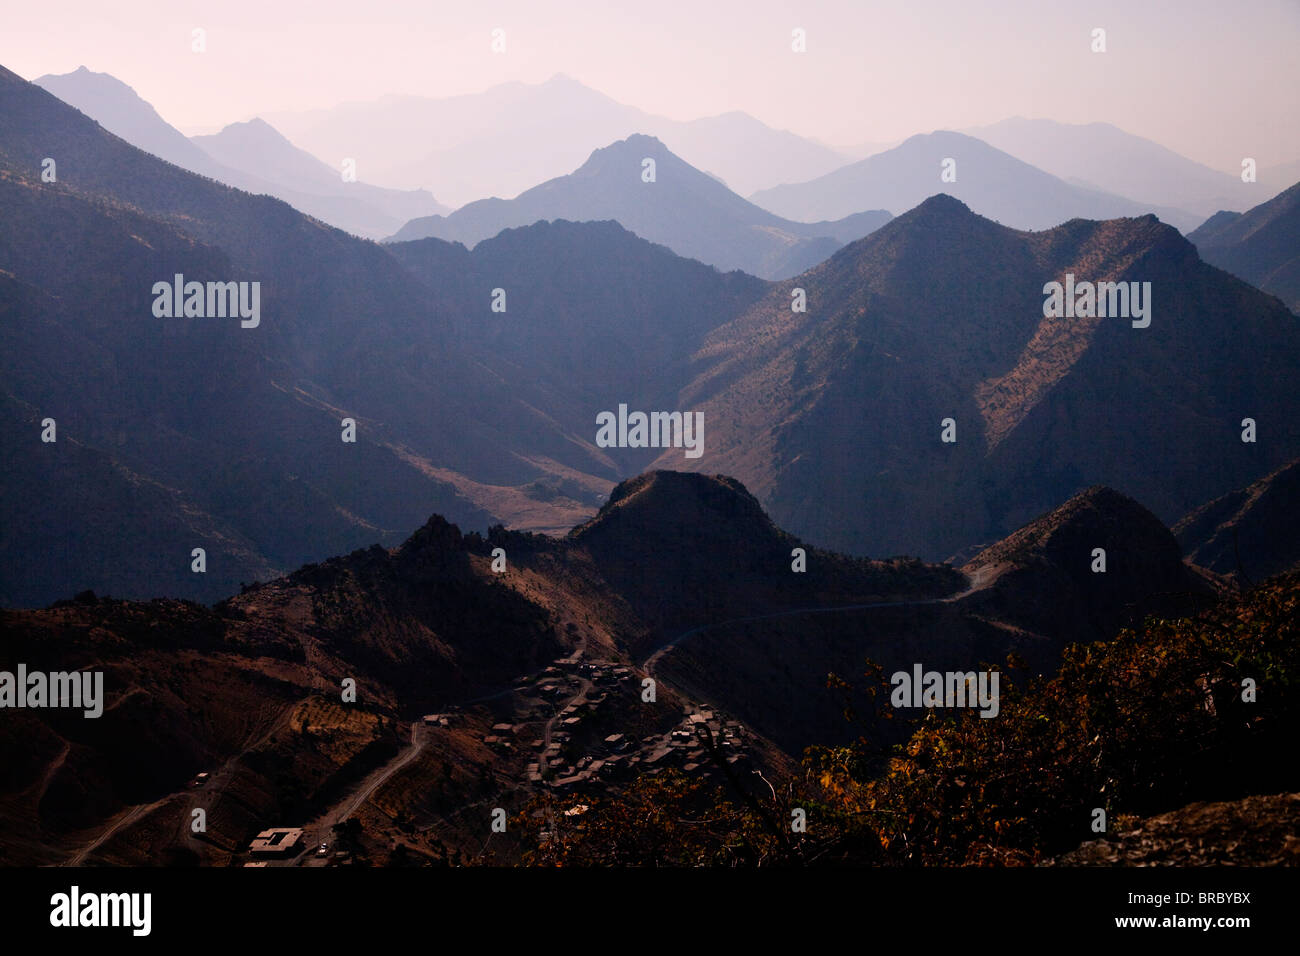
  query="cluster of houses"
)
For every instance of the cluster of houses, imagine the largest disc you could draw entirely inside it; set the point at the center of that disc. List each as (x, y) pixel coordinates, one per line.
(578, 756)
(618, 756)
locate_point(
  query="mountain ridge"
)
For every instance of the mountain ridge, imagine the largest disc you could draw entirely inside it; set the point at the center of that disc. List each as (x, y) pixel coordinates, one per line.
(699, 218)
(994, 183)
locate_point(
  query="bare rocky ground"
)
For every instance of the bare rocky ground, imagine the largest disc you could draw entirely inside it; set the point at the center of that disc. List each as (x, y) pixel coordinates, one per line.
(1255, 831)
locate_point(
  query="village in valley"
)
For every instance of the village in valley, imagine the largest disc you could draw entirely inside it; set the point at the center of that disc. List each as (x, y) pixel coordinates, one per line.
(578, 729)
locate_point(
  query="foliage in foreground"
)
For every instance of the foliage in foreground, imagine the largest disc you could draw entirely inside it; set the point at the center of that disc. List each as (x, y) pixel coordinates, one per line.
(1146, 722)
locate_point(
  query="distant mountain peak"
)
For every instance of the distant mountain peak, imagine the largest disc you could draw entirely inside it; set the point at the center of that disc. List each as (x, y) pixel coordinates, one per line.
(690, 211)
(635, 147)
(640, 141)
(83, 74)
(944, 204)
(255, 127)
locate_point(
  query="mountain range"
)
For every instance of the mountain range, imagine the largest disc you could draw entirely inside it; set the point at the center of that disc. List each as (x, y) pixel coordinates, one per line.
(993, 183)
(1102, 157)
(831, 417)
(251, 156)
(515, 135)
(432, 591)
(250, 464)
(834, 418)
(691, 213)
(477, 153)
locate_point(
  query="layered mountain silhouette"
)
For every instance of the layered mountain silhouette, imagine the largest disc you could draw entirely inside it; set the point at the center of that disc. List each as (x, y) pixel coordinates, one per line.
(515, 135)
(233, 430)
(229, 439)
(682, 208)
(120, 110)
(1251, 533)
(251, 156)
(258, 153)
(1103, 157)
(1261, 246)
(486, 417)
(834, 418)
(992, 182)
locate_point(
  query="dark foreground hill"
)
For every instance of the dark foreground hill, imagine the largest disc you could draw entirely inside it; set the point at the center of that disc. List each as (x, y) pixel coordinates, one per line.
(253, 690)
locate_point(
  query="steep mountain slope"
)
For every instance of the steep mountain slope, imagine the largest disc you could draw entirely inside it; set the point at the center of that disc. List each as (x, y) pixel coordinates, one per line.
(242, 425)
(242, 447)
(1252, 532)
(1261, 246)
(833, 417)
(487, 417)
(595, 316)
(990, 181)
(1110, 159)
(515, 135)
(227, 690)
(1051, 580)
(121, 111)
(1031, 594)
(683, 209)
(250, 156)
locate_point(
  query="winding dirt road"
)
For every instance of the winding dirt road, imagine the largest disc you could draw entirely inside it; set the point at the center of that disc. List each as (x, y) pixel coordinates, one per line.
(981, 579)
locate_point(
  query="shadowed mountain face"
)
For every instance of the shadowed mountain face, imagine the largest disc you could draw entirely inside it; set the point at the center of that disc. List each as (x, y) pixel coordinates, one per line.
(833, 418)
(991, 182)
(685, 550)
(1097, 563)
(429, 625)
(189, 432)
(594, 316)
(223, 437)
(1253, 532)
(250, 156)
(698, 558)
(1261, 246)
(684, 209)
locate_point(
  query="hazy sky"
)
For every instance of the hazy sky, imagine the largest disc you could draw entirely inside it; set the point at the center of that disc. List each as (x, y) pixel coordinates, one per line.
(1212, 79)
